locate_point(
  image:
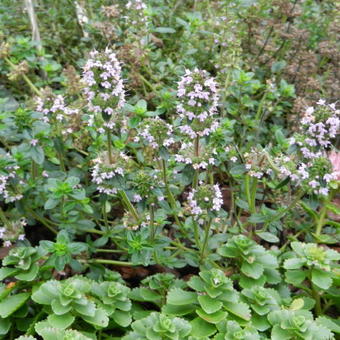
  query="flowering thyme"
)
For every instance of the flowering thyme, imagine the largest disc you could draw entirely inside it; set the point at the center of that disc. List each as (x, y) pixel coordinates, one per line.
(320, 126)
(202, 160)
(55, 111)
(204, 200)
(198, 100)
(136, 13)
(104, 88)
(104, 173)
(306, 162)
(156, 133)
(13, 231)
(10, 181)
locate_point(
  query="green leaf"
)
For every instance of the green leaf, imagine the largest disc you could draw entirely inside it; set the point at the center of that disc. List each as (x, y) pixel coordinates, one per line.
(279, 334)
(201, 328)
(164, 30)
(37, 154)
(58, 308)
(100, 319)
(149, 295)
(51, 203)
(331, 324)
(214, 318)
(208, 304)
(242, 204)
(123, 319)
(295, 277)
(178, 310)
(61, 321)
(294, 263)
(29, 275)
(321, 278)
(283, 183)
(6, 272)
(239, 309)
(269, 237)
(12, 303)
(5, 325)
(87, 309)
(297, 304)
(254, 270)
(46, 292)
(180, 297)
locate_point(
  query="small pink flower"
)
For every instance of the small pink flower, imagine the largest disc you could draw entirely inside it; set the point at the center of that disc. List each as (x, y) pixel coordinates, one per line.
(334, 158)
(7, 244)
(34, 142)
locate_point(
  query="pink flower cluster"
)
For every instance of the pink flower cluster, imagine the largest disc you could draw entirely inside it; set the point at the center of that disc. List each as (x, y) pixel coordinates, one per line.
(104, 89)
(156, 133)
(205, 199)
(13, 231)
(103, 172)
(135, 12)
(319, 126)
(198, 101)
(205, 158)
(53, 108)
(8, 179)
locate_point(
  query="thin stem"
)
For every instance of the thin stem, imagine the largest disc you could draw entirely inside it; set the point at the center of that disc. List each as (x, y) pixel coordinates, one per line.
(196, 235)
(321, 221)
(43, 221)
(106, 222)
(27, 80)
(322, 217)
(171, 198)
(249, 194)
(94, 231)
(197, 148)
(105, 261)
(109, 251)
(109, 145)
(34, 169)
(129, 205)
(206, 238)
(178, 244)
(253, 194)
(316, 296)
(152, 224)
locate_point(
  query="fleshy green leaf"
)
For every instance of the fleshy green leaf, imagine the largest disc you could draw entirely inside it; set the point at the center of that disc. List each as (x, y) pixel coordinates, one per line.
(321, 278)
(294, 263)
(208, 304)
(269, 237)
(6, 272)
(5, 325)
(201, 328)
(214, 318)
(61, 321)
(253, 270)
(100, 318)
(29, 275)
(295, 277)
(180, 297)
(12, 303)
(239, 309)
(123, 319)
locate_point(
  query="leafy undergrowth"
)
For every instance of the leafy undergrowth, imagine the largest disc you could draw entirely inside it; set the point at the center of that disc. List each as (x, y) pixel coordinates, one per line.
(169, 170)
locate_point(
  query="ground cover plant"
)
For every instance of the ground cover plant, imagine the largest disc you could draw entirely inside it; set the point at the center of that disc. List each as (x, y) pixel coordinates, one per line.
(169, 170)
